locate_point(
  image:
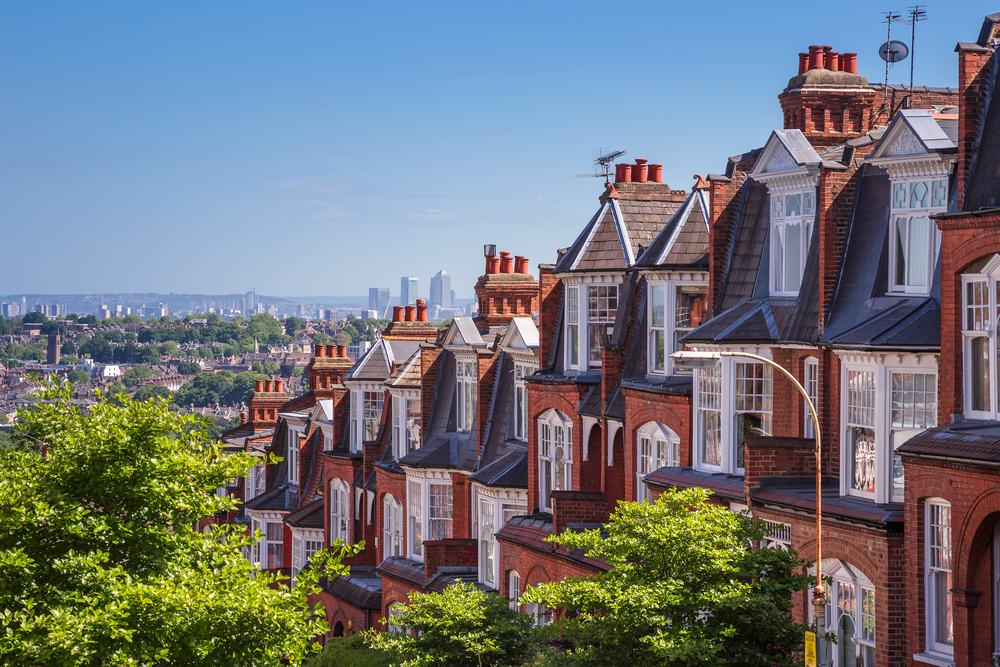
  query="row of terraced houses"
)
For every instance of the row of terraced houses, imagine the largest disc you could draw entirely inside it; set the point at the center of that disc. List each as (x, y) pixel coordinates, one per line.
(859, 248)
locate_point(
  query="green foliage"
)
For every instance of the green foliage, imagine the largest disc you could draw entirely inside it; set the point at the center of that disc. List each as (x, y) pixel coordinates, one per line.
(151, 391)
(98, 348)
(169, 349)
(460, 627)
(222, 388)
(100, 565)
(321, 338)
(34, 318)
(51, 327)
(137, 374)
(272, 368)
(4, 419)
(298, 371)
(349, 652)
(293, 324)
(78, 376)
(188, 368)
(685, 589)
(356, 330)
(257, 367)
(69, 360)
(90, 320)
(68, 348)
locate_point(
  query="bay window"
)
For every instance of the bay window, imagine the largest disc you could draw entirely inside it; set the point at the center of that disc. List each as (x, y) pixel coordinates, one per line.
(340, 511)
(303, 549)
(938, 577)
(494, 508)
(882, 408)
(520, 420)
(366, 414)
(590, 316)
(371, 414)
(487, 543)
(392, 527)
(405, 424)
(850, 614)
(914, 237)
(980, 318)
(555, 456)
(658, 447)
(792, 217)
(467, 394)
(742, 389)
(674, 310)
(293, 457)
(275, 545)
(429, 512)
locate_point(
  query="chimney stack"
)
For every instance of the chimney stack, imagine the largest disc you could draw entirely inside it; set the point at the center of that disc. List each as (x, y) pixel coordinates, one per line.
(258, 386)
(320, 350)
(268, 386)
(656, 173)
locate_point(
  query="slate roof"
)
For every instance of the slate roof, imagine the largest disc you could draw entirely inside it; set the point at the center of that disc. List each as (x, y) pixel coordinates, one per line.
(683, 242)
(531, 530)
(747, 245)
(613, 237)
(403, 569)
(278, 499)
(721, 484)
(377, 362)
(449, 450)
(407, 375)
(362, 588)
(974, 440)
(800, 494)
(984, 184)
(510, 471)
(310, 516)
(500, 411)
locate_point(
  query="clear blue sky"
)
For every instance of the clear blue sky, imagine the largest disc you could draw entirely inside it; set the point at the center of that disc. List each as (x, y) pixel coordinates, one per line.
(306, 148)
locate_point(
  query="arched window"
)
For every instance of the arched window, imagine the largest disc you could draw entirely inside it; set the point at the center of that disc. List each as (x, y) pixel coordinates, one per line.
(850, 614)
(555, 456)
(395, 609)
(392, 527)
(938, 577)
(340, 511)
(658, 447)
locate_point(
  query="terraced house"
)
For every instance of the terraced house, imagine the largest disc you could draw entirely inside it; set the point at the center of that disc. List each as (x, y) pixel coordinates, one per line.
(858, 247)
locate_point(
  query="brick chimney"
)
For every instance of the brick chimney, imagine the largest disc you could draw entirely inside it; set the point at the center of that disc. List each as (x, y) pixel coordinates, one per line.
(508, 293)
(410, 323)
(264, 404)
(326, 368)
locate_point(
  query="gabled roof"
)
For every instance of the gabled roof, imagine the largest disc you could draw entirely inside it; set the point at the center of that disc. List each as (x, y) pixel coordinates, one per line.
(407, 375)
(510, 471)
(785, 150)
(377, 362)
(463, 331)
(749, 321)
(683, 242)
(521, 333)
(309, 516)
(612, 239)
(913, 132)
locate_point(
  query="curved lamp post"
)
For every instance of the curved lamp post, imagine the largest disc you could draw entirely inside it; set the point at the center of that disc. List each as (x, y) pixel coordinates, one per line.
(689, 360)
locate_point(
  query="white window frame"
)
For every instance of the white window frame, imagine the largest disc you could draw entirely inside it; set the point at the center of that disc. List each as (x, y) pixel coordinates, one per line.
(255, 550)
(888, 437)
(339, 502)
(851, 594)
(514, 589)
(392, 527)
(905, 209)
(419, 521)
(304, 545)
(293, 457)
(360, 401)
(266, 547)
(717, 407)
(781, 221)
(467, 391)
(979, 323)
(406, 431)
(501, 504)
(938, 559)
(519, 420)
(811, 385)
(657, 446)
(779, 536)
(578, 319)
(666, 294)
(555, 430)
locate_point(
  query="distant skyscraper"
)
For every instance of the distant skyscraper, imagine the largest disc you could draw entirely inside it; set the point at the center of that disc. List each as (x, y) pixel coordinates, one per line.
(408, 291)
(453, 297)
(378, 299)
(441, 290)
(251, 305)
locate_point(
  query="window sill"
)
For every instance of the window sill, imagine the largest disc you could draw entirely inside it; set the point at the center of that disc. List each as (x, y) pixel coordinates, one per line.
(935, 659)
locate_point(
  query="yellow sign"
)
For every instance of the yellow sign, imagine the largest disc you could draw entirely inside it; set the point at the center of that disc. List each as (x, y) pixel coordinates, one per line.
(810, 649)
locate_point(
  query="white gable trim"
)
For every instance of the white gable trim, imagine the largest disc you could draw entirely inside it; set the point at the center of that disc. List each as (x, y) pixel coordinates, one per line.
(595, 223)
(623, 237)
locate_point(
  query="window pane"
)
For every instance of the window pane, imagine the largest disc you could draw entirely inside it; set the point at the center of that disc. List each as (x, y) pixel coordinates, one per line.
(939, 193)
(778, 263)
(750, 425)
(793, 257)
(658, 349)
(979, 369)
(658, 305)
(710, 416)
(917, 247)
(808, 203)
(918, 195)
(777, 206)
(862, 458)
(793, 205)
(899, 195)
(901, 257)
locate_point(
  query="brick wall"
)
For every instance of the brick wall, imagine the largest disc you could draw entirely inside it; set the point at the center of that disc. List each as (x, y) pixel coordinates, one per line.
(430, 367)
(394, 484)
(834, 203)
(973, 80)
(449, 553)
(352, 619)
(578, 507)
(777, 457)
(543, 396)
(536, 567)
(461, 493)
(550, 297)
(642, 407)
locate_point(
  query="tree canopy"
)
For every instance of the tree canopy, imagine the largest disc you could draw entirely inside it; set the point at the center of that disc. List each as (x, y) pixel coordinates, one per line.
(221, 388)
(685, 589)
(99, 560)
(78, 376)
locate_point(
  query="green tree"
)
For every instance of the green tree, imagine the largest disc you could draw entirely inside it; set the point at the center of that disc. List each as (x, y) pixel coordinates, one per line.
(257, 367)
(321, 338)
(34, 318)
(239, 391)
(132, 319)
(68, 348)
(69, 360)
(349, 652)
(147, 354)
(685, 589)
(78, 376)
(100, 564)
(137, 374)
(188, 367)
(90, 320)
(151, 390)
(459, 627)
(272, 368)
(169, 349)
(205, 389)
(298, 371)
(292, 324)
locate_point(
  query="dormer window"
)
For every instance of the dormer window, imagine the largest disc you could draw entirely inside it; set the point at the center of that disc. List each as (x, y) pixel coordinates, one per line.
(590, 316)
(980, 303)
(674, 310)
(366, 415)
(792, 217)
(293, 457)
(521, 371)
(914, 238)
(406, 411)
(467, 394)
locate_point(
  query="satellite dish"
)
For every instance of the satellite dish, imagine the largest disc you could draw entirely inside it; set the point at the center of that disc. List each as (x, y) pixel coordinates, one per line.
(893, 52)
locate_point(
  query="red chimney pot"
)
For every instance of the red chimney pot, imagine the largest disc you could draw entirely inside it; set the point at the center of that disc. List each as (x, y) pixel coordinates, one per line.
(243, 418)
(258, 385)
(505, 263)
(411, 315)
(803, 62)
(852, 62)
(397, 313)
(331, 350)
(815, 57)
(422, 310)
(279, 386)
(342, 351)
(268, 386)
(320, 350)
(656, 173)
(626, 175)
(639, 171)
(833, 61)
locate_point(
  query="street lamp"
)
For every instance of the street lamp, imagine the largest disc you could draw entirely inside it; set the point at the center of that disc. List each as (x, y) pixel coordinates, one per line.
(688, 360)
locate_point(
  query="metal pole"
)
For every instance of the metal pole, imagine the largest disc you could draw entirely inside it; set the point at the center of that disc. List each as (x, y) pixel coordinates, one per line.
(819, 590)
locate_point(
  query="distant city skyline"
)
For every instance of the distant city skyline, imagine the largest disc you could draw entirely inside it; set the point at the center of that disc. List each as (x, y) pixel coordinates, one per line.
(183, 140)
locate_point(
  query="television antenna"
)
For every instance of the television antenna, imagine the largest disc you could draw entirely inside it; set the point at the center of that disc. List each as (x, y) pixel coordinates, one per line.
(892, 52)
(917, 13)
(605, 158)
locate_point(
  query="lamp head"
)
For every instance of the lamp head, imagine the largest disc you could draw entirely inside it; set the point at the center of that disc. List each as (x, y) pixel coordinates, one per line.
(689, 360)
